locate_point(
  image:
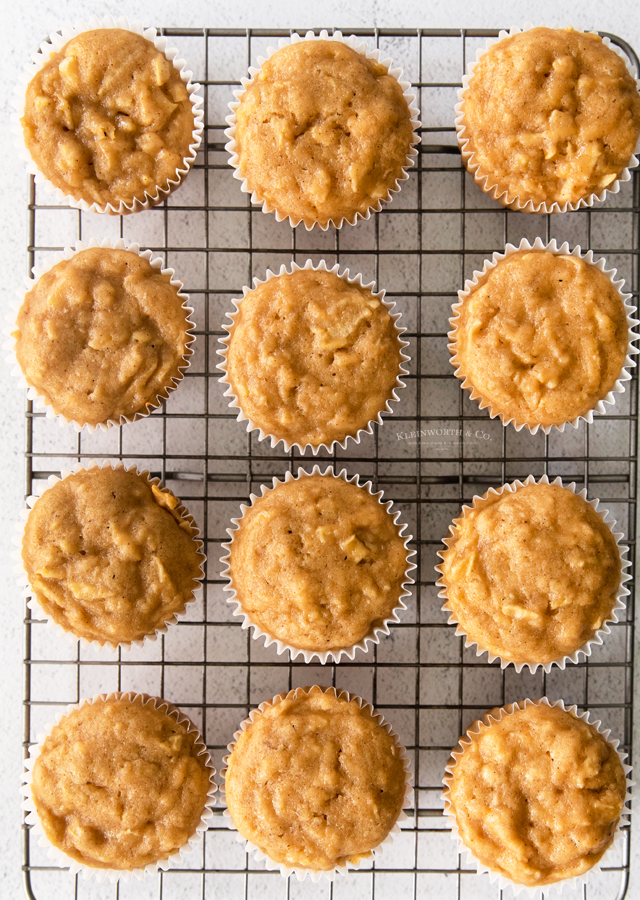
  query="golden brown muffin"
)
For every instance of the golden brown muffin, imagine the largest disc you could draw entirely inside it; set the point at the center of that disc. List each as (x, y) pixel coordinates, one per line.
(108, 117)
(120, 784)
(102, 335)
(312, 358)
(542, 338)
(109, 556)
(551, 115)
(315, 781)
(531, 575)
(318, 563)
(322, 132)
(536, 796)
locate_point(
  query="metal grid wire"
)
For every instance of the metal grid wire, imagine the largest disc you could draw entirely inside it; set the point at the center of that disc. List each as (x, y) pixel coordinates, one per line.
(436, 452)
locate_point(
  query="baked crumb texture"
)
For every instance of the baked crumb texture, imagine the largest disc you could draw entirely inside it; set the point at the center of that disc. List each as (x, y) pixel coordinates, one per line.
(322, 133)
(110, 555)
(541, 338)
(109, 120)
(532, 574)
(315, 781)
(121, 784)
(537, 795)
(548, 116)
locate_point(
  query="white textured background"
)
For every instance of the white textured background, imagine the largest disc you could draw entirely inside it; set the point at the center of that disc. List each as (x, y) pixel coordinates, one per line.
(25, 25)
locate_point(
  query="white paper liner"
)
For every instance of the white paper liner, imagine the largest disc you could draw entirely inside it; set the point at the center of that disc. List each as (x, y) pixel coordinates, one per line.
(302, 873)
(40, 402)
(350, 279)
(479, 502)
(373, 637)
(114, 875)
(360, 47)
(503, 881)
(30, 595)
(53, 44)
(562, 250)
(484, 180)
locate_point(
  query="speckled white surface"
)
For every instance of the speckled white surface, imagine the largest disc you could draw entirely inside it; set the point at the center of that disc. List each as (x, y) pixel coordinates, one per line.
(25, 24)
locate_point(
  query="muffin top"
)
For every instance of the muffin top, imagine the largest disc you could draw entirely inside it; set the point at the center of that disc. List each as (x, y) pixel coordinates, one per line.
(108, 117)
(312, 358)
(109, 556)
(322, 132)
(531, 575)
(542, 337)
(120, 784)
(537, 796)
(315, 782)
(102, 335)
(551, 115)
(318, 563)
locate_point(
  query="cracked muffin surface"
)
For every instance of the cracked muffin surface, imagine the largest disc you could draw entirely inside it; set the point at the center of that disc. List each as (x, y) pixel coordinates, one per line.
(119, 784)
(323, 132)
(315, 781)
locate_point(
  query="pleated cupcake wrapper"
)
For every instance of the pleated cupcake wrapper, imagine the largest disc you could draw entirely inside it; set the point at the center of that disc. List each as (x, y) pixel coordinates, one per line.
(302, 873)
(485, 180)
(571, 884)
(360, 47)
(480, 502)
(30, 594)
(41, 402)
(53, 44)
(114, 875)
(600, 263)
(234, 403)
(332, 656)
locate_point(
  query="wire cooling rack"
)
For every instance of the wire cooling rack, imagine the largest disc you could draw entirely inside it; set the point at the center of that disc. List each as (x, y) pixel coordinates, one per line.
(435, 453)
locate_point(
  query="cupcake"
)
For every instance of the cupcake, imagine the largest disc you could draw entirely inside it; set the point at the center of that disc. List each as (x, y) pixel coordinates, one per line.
(548, 119)
(109, 120)
(103, 335)
(532, 574)
(312, 357)
(319, 565)
(541, 336)
(122, 784)
(536, 793)
(315, 781)
(323, 131)
(110, 555)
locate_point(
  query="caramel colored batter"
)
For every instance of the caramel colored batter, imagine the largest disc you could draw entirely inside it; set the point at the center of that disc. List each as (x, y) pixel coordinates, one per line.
(551, 115)
(532, 575)
(318, 563)
(542, 338)
(101, 335)
(315, 782)
(538, 795)
(323, 132)
(312, 358)
(109, 556)
(108, 118)
(120, 785)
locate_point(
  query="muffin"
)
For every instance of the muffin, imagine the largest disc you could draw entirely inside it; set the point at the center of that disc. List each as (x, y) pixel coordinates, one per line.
(536, 793)
(315, 781)
(110, 556)
(103, 336)
(548, 116)
(531, 573)
(540, 338)
(312, 357)
(109, 120)
(319, 564)
(122, 782)
(322, 133)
